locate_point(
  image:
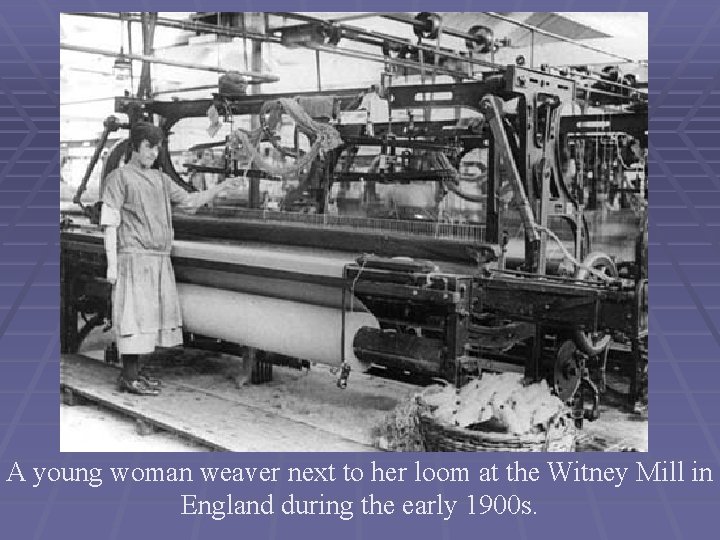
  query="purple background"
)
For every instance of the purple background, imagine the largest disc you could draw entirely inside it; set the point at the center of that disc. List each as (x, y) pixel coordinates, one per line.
(685, 311)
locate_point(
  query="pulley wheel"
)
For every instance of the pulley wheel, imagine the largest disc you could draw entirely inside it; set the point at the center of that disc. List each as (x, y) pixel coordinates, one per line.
(481, 41)
(566, 374)
(611, 74)
(427, 25)
(594, 343)
(629, 80)
(334, 35)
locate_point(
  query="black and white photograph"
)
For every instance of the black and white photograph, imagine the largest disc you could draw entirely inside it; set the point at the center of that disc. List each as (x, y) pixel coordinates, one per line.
(354, 231)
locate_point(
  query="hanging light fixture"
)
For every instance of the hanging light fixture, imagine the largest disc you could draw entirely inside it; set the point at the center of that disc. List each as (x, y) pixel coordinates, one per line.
(122, 67)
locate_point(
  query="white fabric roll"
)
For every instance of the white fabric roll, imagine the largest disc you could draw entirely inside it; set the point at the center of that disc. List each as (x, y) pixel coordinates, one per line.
(281, 326)
(291, 259)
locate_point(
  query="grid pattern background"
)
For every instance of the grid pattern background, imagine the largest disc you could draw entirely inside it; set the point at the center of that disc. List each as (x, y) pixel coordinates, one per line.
(684, 318)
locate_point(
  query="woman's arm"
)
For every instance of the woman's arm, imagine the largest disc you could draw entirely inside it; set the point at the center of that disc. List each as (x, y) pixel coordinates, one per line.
(111, 253)
(191, 202)
(110, 219)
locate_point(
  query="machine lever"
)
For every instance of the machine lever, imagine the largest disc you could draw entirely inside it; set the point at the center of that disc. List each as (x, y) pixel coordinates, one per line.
(344, 374)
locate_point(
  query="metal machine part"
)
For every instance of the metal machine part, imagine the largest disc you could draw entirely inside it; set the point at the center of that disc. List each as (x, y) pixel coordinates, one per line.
(567, 374)
(423, 315)
(110, 125)
(574, 385)
(596, 266)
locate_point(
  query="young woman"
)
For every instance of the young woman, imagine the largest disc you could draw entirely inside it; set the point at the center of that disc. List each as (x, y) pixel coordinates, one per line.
(137, 220)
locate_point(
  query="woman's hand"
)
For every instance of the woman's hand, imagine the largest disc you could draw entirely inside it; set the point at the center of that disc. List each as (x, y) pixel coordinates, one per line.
(111, 275)
(232, 184)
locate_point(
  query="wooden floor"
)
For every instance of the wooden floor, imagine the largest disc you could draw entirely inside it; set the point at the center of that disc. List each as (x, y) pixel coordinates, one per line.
(297, 411)
(199, 401)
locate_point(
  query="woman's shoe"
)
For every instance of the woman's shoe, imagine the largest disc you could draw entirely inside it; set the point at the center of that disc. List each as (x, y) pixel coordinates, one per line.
(136, 386)
(148, 379)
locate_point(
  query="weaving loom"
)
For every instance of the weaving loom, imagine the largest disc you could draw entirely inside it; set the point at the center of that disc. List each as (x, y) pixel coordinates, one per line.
(365, 267)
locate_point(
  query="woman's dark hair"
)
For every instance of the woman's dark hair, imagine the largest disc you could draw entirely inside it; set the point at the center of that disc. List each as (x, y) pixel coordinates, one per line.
(145, 131)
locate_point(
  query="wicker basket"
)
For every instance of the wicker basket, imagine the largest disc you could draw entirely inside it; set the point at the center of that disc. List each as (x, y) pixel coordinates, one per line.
(558, 436)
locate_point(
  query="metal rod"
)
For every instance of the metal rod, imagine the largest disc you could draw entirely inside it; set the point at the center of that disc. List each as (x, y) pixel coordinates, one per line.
(234, 32)
(381, 59)
(544, 192)
(111, 124)
(559, 37)
(532, 49)
(495, 15)
(86, 101)
(492, 108)
(353, 32)
(148, 37)
(407, 19)
(342, 321)
(175, 63)
(192, 26)
(186, 89)
(130, 51)
(456, 33)
(317, 71)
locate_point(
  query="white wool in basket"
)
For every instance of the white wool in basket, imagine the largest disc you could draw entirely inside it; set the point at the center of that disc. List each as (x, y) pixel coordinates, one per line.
(520, 409)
